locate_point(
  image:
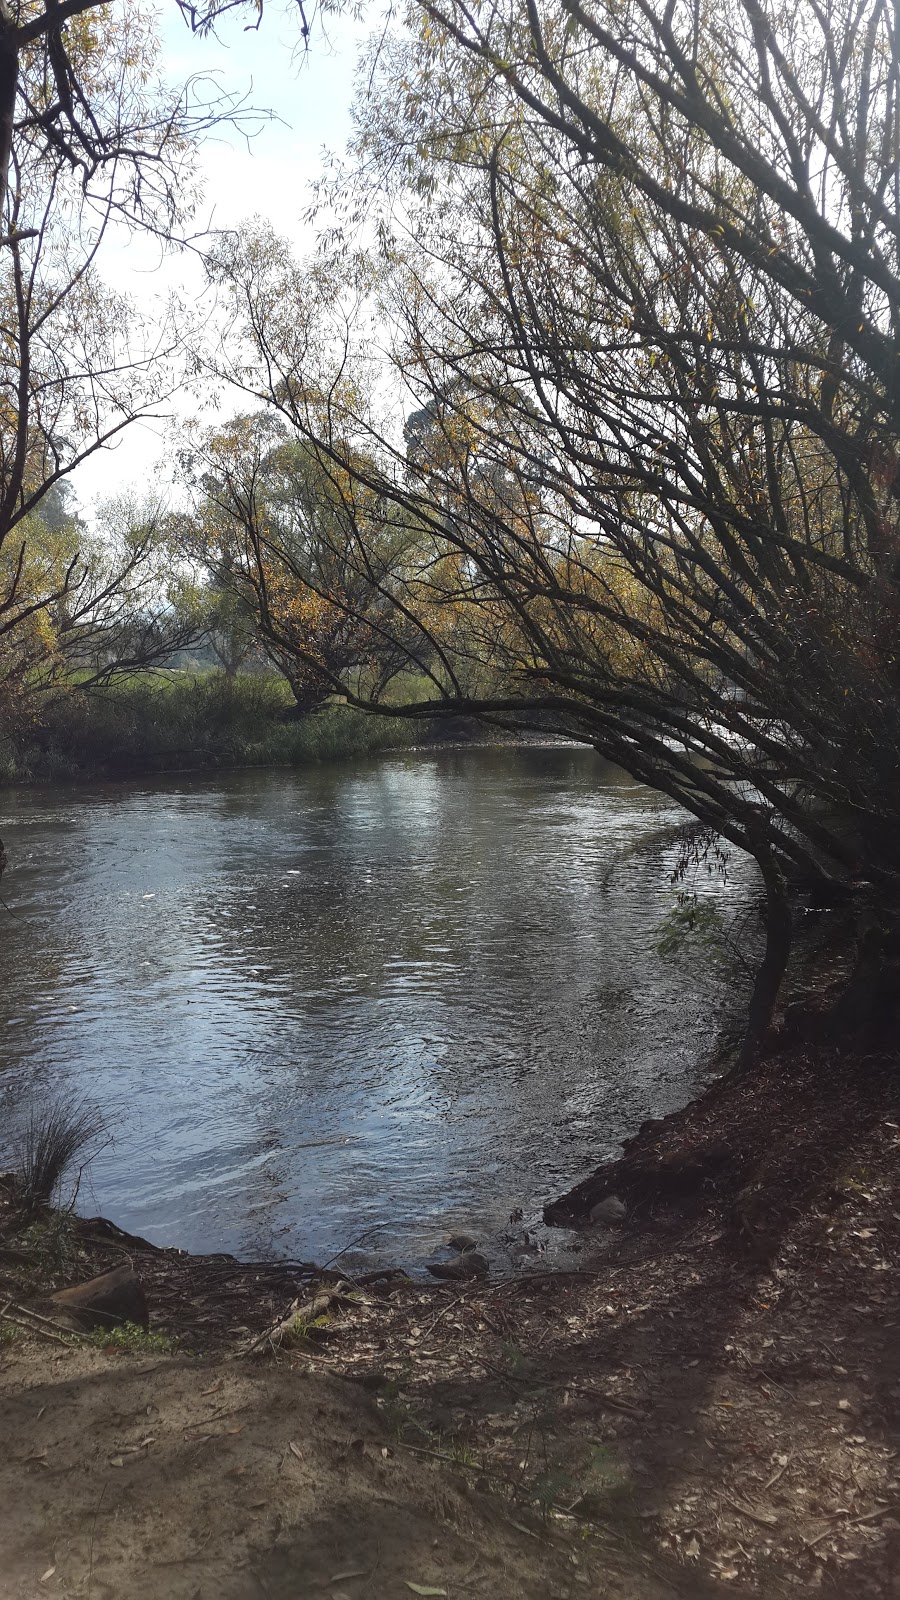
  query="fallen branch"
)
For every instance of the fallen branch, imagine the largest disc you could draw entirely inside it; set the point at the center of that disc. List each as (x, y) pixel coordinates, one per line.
(303, 1312)
(26, 1311)
(610, 1400)
(41, 1327)
(766, 1519)
(842, 1521)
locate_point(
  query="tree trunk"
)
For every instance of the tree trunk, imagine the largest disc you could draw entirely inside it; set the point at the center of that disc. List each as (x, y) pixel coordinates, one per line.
(779, 935)
(869, 1005)
(9, 79)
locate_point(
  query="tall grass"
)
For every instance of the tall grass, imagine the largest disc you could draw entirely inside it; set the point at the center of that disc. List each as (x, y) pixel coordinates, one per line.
(53, 1138)
(182, 720)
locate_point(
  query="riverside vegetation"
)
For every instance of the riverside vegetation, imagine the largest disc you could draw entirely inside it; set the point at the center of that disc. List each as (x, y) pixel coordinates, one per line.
(175, 720)
(636, 269)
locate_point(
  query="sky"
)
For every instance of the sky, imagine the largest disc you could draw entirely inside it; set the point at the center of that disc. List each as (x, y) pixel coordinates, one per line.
(311, 97)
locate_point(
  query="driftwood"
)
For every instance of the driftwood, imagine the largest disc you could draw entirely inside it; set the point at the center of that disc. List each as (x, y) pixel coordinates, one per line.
(291, 1327)
(115, 1297)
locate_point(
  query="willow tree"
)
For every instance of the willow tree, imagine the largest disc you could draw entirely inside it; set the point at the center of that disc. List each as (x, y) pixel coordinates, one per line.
(95, 145)
(268, 529)
(638, 283)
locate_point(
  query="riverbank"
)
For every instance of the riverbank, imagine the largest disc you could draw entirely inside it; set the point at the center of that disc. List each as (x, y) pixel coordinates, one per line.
(709, 1404)
(188, 720)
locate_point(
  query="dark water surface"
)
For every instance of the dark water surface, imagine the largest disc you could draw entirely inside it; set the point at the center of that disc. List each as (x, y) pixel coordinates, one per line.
(398, 995)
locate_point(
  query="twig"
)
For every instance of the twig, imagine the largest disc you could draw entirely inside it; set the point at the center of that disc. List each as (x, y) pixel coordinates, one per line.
(777, 1475)
(611, 1400)
(311, 1309)
(511, 1483)
(39, 1332)
(451, 1304)
(523, 1279)
(835, 1523)
(93, 1528)
(766, 1519)
(26, 1311)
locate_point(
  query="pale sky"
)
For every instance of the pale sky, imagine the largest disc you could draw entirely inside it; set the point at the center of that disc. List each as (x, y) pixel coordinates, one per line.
(311, 95)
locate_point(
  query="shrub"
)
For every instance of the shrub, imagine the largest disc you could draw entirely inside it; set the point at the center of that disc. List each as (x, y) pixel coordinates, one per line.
(132, 1340)
(53, 1138)
(181, 720)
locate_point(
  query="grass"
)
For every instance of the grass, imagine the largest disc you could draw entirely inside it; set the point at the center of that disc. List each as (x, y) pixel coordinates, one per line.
(53, 1139)
(51, 1245)
(128, 1338)
(178, 720)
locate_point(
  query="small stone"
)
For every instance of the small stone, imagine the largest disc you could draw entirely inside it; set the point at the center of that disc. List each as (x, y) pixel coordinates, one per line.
(468, 1265)
(610, 1210)
(462, 1242)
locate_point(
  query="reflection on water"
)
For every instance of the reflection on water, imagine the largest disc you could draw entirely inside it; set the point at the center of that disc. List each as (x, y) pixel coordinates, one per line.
(394, 996)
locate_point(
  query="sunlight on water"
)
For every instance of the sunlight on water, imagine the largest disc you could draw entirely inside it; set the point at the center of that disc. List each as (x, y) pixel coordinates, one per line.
(389, 997)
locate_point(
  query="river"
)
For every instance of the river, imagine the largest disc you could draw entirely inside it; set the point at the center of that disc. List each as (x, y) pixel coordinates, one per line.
(381, 999)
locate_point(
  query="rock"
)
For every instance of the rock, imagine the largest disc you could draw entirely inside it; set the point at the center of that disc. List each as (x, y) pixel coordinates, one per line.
(114, 1297)
(610, 1210)
(468, 1265)
(461, 1242)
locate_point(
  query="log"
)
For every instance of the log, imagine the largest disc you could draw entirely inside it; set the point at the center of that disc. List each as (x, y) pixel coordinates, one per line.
(291, 1328)
(115, 1297)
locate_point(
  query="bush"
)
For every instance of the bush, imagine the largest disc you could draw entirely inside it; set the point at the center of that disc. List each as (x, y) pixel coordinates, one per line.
(128, 1338)
(173, 721)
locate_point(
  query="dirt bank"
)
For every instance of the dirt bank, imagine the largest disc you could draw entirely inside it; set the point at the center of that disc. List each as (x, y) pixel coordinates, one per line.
(710, 1405)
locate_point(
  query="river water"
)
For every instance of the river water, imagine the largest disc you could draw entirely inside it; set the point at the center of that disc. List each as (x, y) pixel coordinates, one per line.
(384, 999)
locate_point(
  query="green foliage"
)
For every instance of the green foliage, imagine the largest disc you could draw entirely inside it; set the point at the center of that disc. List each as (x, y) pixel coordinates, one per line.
(691, 922)
(132, 1340)
(51, 1246)
(9, 1333)
(173, 721)
(54, 1136)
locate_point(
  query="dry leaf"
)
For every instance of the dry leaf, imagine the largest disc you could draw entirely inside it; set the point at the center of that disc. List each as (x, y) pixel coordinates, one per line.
(358, 1572)
(213, 1389)
(116, 1461)
(423, 1588)
(46, 1576)
(296, 1451)
(231, 1431)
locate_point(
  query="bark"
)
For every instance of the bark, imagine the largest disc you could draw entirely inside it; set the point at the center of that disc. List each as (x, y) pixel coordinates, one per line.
(9, 79)
(114, 1297)
(868, 1007)
(779, 934)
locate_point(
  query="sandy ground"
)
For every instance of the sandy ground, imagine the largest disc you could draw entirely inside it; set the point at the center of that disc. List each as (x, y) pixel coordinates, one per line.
(188, 1479)
(709, 1405)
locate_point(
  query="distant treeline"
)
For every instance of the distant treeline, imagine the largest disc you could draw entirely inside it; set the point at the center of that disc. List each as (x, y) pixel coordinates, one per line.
(188, 719)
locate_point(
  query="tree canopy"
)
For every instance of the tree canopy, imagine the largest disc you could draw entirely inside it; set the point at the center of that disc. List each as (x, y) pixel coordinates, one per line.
(636, 267)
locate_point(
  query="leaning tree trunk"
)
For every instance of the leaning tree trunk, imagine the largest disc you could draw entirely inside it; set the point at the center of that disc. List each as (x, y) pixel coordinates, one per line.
(779, 935)
(869, 1006)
